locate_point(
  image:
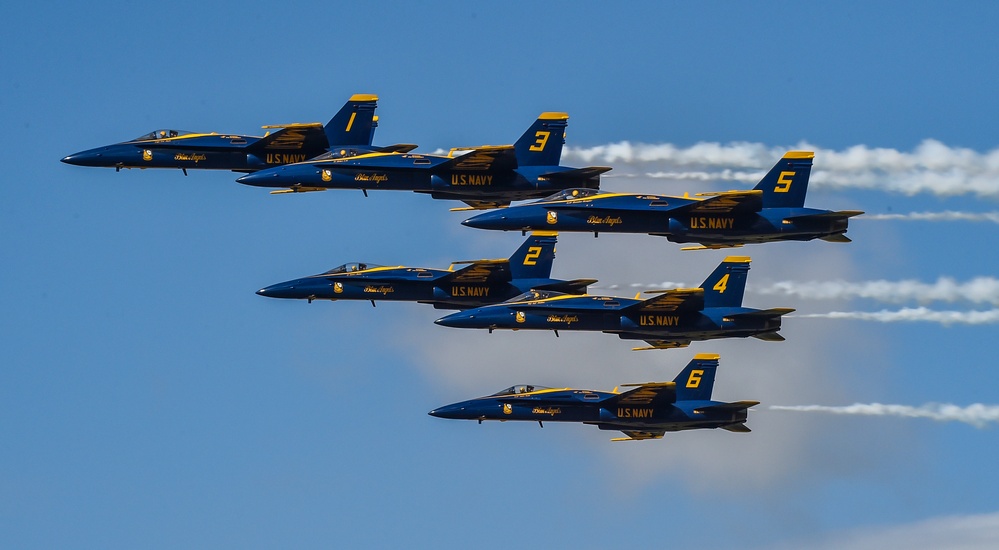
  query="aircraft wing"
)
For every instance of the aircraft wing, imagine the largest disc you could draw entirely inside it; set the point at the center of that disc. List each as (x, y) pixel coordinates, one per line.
(663, 344)
(677, 299)
(735, 406)
(726, 202)
(636, 435)
(588, 173)
(644, 394)
(475, 204)
(484, 158)
(482, 271)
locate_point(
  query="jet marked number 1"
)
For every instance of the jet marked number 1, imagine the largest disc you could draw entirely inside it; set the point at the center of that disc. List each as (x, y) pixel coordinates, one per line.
(542, 141)
(532, 255)
(351, 121)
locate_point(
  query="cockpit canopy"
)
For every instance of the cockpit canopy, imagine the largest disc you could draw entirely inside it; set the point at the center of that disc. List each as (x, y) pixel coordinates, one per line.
(351, 268)
(535, 295)
(338, 153)
(162, 134)
(519, 389)
(570, 194)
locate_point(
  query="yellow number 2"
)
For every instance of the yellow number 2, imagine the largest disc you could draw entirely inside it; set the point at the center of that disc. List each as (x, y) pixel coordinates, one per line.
(542, 141)
(721, 285)
(532, 256)
(784, 182)
(695, 378)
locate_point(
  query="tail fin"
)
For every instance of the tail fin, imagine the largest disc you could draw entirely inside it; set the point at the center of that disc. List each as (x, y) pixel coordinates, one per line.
(534, 258)
(727, 283)
(785, 184)
(697, 379)
(355, 123)
(541, 144)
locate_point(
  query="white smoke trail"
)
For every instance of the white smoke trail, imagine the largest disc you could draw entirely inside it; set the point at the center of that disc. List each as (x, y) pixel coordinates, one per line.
(945, 289)
(931, 167)
(919, 314)
(946, 216)
(977, 414)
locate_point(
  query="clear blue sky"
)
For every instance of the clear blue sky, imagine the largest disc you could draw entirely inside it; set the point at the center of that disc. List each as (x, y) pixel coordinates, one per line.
(149, 399)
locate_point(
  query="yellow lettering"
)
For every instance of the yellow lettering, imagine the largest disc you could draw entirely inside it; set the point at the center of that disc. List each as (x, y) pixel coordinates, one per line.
(784, 182)
(539, 145)
(532, 255)
(721, 285)
(694, 380)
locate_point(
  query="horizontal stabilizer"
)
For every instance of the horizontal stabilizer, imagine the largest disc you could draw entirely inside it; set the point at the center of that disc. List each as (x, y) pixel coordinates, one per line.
(737, 428)
(837, 238)
(730, 407)
(841, 215)
(397, 148)
(761, 314)
(769, 337)
(575, 286)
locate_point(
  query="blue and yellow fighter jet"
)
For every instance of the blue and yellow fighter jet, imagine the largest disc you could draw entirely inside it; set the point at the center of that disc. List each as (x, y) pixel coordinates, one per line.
(479, 283)
(772, 211)
(348, 133)
(646, 412)
(671, 319)
(483, 177)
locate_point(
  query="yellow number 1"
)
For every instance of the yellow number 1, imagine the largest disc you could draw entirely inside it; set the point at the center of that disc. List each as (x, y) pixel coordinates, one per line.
(784, 182)
(532, 256)
(351, 121)
(542, 141)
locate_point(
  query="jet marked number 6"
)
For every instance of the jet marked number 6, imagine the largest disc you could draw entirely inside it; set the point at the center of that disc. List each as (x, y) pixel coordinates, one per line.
(695, 378)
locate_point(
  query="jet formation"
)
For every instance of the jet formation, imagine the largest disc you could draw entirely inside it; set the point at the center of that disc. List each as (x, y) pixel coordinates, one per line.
(646, 412)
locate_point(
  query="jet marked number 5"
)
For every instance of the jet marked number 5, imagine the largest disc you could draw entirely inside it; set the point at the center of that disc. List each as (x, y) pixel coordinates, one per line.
(721, 285)
(542, 141)
(784, 182)
(695, 378)
(532, 255)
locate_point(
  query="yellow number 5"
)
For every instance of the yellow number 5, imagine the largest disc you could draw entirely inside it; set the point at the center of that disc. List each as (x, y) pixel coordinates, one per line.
(784, 182)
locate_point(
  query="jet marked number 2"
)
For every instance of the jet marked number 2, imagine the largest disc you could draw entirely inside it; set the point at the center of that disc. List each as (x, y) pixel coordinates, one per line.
(532, 255)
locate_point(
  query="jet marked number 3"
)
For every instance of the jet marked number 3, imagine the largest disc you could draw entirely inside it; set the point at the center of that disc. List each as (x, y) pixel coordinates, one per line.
(532, 255)
(721, 285)
(542, 141)
(784, 182)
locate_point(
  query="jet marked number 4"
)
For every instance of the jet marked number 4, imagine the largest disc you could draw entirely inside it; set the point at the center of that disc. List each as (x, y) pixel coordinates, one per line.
(721, 285)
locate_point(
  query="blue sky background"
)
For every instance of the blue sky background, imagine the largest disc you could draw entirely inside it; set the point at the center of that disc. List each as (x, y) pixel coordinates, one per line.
(149, 398)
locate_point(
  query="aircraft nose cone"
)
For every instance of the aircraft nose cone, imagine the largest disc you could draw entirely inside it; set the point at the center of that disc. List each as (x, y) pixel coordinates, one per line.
(488, 220)
(449, 411)
(456, 320)
(83, 158)
(280, 290)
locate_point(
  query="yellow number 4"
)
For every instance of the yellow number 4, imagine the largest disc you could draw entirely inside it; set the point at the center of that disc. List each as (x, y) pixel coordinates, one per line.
(695, 378)
(542, 141)
(784, 182)
(721, 285)
(532, 256)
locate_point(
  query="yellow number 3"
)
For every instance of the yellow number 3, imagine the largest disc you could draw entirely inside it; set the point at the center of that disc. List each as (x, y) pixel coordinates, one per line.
(784, 182)
(542, 141)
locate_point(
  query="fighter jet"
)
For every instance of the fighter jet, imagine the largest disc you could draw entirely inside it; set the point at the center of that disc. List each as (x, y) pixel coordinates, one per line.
(348, 133)
(772, 211)
(646, 412)
(483, 177)
(479, 283)
(671, 319)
